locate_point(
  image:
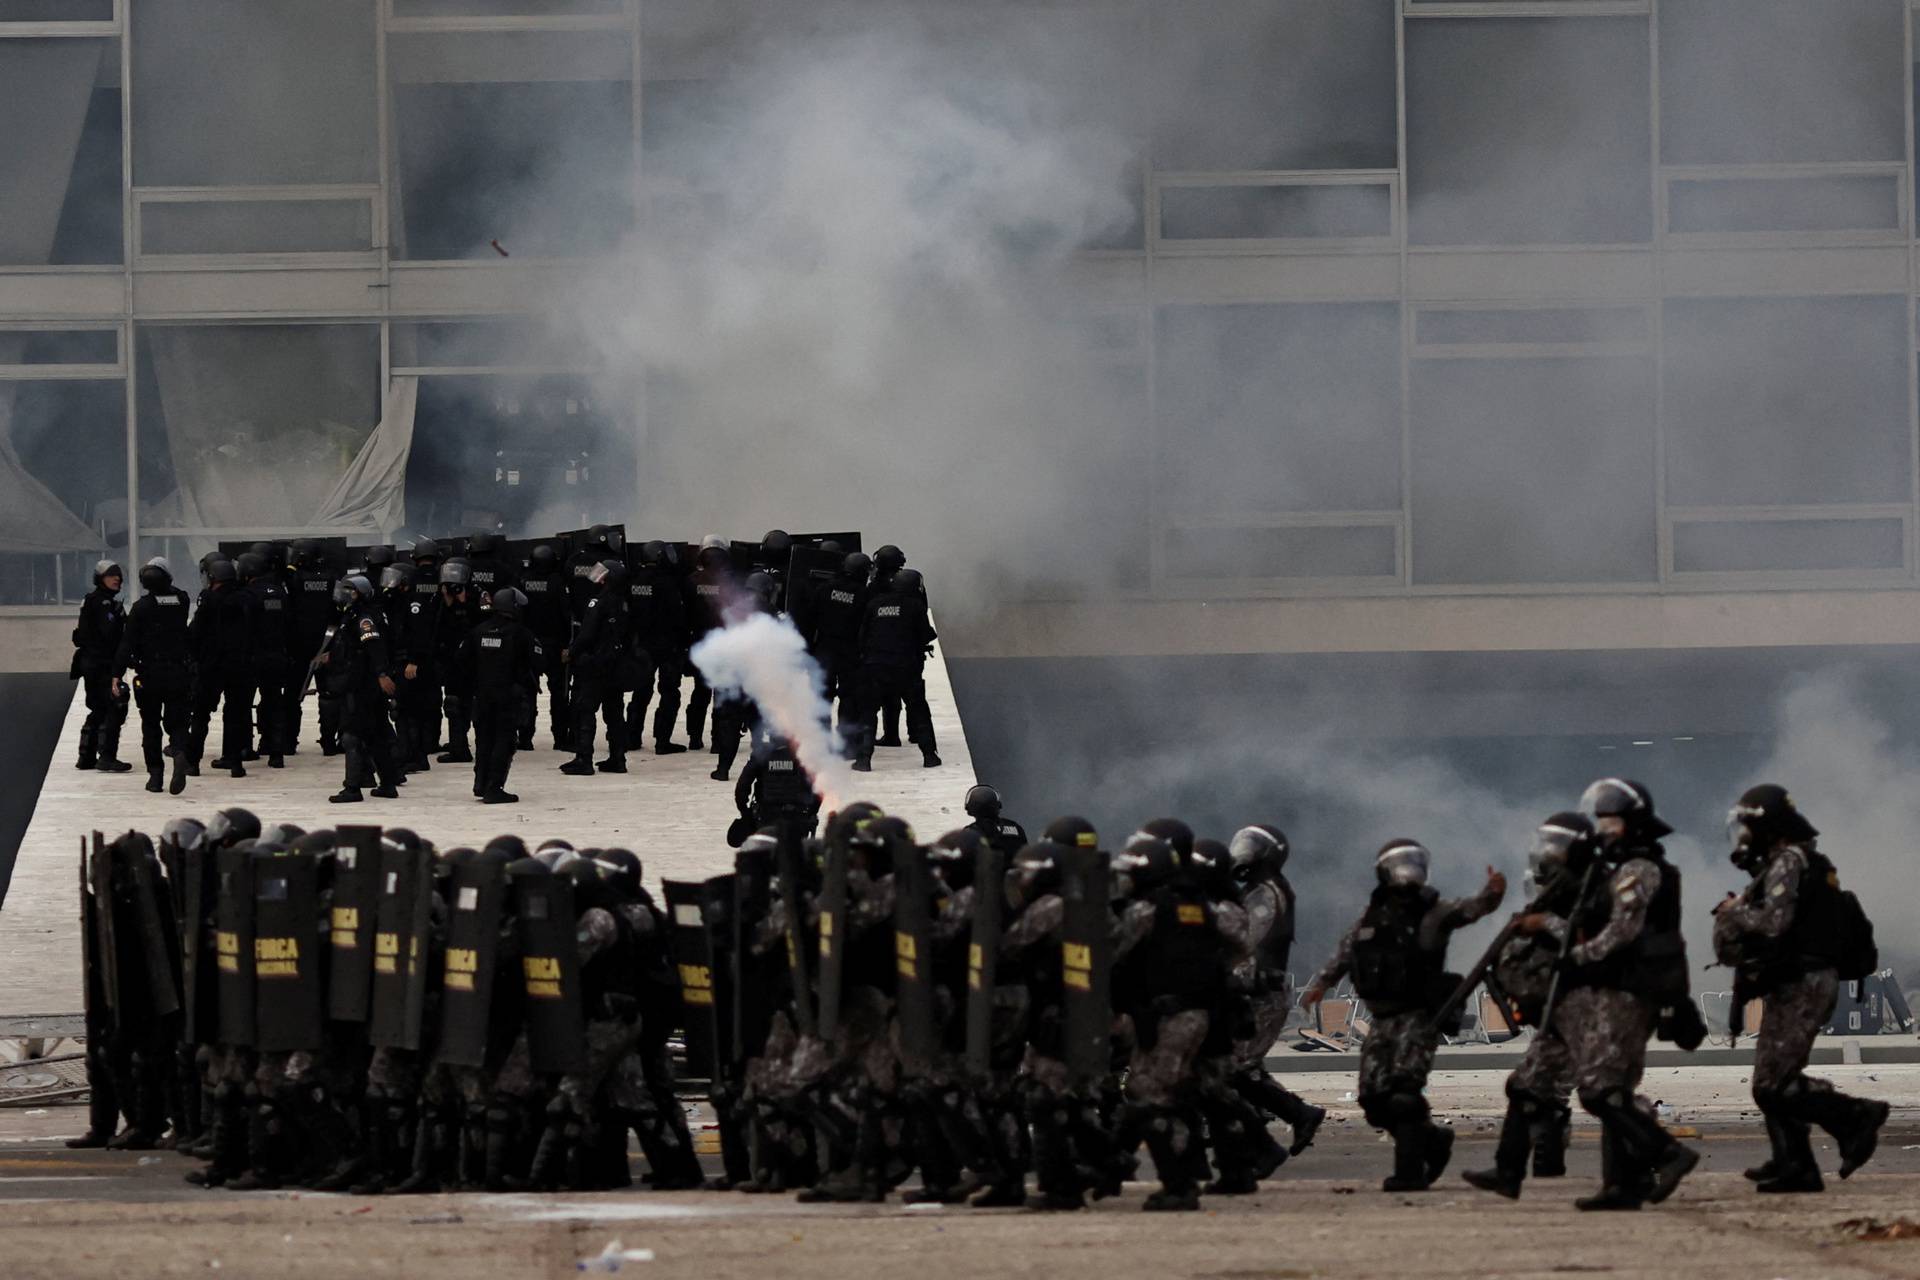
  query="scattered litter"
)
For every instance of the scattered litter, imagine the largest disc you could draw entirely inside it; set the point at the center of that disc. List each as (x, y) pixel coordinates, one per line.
(497, 249)
(1662, 1110)
(1345, 1097)
(613, 1257)
(1874, 1231)
(1344, 1191)
(436, 1220)
(146, 1160)
(37, 1111)
(1912, 1147)
(214, 1263)
(926, 1206)
(365, 1208)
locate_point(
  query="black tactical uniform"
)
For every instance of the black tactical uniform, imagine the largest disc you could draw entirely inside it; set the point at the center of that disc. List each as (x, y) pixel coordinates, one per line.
(154, 645)
(595, 660)
(710, 590)
(894, 639)
(658, 617)
(272, 652)
(998, 830)
(502, 659)
(774, 787)
(549, 617)
(310, 594)
(459, 613)
(833, 622)
(490, 571)
(411, 620)
(96, 639)
(222, 634)
(358, 671)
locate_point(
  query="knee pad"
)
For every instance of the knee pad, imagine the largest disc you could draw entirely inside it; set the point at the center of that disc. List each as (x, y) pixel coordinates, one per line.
(1608, 1101)
(1378, 1109)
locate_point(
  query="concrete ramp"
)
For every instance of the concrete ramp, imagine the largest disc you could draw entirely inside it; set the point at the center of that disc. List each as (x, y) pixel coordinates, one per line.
(665, 808)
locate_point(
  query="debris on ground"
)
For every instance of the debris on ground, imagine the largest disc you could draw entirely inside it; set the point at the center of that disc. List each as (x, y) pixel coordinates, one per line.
(1874, 1231)
(613, 1257)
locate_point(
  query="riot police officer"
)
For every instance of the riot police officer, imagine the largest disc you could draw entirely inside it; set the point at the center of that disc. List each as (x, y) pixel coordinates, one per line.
(832, 632)
(1790, 937)
(895, 639)
(710, 591)
(222, 633)
(501, 659)
(96, 639)
(594, 660)
(549, 616)
(458, 610)
(357, 669)
(1003, 833)
(154, 645)
(774, 787)
(310, 595)
(272, 652)
(490, 571)
(658, 618)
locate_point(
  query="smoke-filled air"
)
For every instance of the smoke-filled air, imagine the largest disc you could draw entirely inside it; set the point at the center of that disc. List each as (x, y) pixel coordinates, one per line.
(763, 658)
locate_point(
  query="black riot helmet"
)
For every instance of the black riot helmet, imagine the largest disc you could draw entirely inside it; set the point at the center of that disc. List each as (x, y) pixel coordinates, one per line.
(1562, 845)
(424, 551)
(604, 535)
(222, 571)
(484, 544)
(760, 586)
(982, 802)
(156, 575)
(843, 825)
(1146, 862)
(908, 582)
(1034, 873)
(1211, 865)
(775, 546)
(378, 557)
(1626, 800)
(621, 869)
(612, 573)
(544, 559)
(262, 549)
(348, 589)
(653, 553)
(104, 569)
(304, 554)
(508, 602)
(890, 559)
(189, 834)
(1073, 831)
(874, 841)
(281, 833)
(954, 856)
(397, 579)
(1174, 832)
(1259, 853)
(250, 566)
(456, 573)
(858, 566)
(1402, 863)
(207, 562)
(230, 826)
(513, 847)
(1765, 818)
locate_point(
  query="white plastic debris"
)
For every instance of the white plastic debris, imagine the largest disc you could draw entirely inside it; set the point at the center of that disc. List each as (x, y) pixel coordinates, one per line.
(143, 1160)
(613, 1257)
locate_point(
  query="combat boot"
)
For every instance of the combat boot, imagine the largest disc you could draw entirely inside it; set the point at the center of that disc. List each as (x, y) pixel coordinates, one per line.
(108, 745)
(1409, 1160)
(1509, 1157)
(87, 757)
(1781, 1141)
(1797, 1170)
(1550, 1130)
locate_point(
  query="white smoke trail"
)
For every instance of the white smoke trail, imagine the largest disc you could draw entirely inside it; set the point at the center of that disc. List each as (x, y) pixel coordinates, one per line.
(764, 658)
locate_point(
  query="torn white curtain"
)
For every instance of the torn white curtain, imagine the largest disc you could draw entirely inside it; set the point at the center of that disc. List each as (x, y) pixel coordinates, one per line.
(373, 492)
(32, 520)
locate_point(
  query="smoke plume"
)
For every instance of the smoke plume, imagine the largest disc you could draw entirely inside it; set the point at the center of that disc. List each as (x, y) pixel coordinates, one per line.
(764, 658)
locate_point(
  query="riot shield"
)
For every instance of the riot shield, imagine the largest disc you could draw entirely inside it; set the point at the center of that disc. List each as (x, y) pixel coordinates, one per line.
(716, 914)
(793, 896)
(550, 968)
(473, 955)
(405, 891)
(96, 942)
(145, 960)
(233, 945)
(693, 957)
(356, 901)
(199, 969)
(753, 1001)
(833, 929)
(983, 956)
(1086, 964)
(913, 958)
(286, 959)
(849, 542)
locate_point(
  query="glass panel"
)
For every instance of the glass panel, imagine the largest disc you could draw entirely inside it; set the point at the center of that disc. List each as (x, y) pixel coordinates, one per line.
(1868, 202)
(1787, 545)
(473, 343)
(256, 226)
(1275, 213)
(1319, 552)
(1280, 408)
(528, 454)
(250, 425)
(533, 153)
(1501, 326)
(59, 346)
(63, 482)
(56, 10)
(60, 189)
(1528, 131)
(1274, 84)
(254, 92)
(1778, 81)
(502, 8)
(1787, 401)
(1533, 471)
